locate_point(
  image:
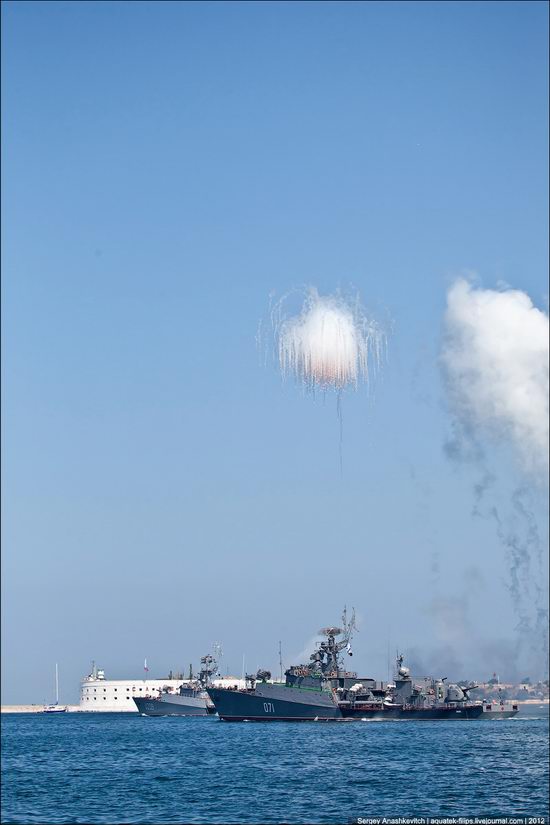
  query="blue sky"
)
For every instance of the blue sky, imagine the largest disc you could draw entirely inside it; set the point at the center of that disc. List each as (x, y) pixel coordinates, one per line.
(166, 168)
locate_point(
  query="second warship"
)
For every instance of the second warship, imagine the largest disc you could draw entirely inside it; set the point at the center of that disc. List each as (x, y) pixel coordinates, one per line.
(323, 690)
(191, 698)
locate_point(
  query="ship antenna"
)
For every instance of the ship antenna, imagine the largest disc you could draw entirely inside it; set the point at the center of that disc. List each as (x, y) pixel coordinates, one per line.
(351, 626)
(218, 653)
(281, 660)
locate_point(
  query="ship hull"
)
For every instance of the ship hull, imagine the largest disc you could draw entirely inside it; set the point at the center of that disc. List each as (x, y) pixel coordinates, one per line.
(174, 706)
(274, 703)
(429, 713)
(499, 714)
(277, 703)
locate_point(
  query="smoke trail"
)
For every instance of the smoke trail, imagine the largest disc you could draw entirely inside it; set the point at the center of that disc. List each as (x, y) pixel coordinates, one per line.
(495, 366)
(519, 563)
(519, 535)
(534, 548)
(462, 648)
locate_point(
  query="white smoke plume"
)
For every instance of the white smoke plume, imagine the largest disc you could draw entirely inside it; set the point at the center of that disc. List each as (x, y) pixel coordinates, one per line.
(495, 364)
(330, 344)
(495, 359)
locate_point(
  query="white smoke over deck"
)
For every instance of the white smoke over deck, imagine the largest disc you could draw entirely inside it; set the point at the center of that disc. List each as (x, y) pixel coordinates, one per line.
(329, 345)
(495, 358)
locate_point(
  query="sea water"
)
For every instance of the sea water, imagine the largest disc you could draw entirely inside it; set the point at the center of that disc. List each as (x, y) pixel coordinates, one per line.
(107, 768)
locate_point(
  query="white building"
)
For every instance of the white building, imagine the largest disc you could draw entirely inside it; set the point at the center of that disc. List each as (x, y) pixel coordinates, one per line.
(99, 694)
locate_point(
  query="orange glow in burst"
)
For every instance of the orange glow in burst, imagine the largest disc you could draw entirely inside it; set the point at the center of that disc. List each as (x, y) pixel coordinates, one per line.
(329, 344)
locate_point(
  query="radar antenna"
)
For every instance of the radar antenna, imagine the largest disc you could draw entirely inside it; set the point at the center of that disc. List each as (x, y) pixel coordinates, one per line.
(331, 648)
(330, 631)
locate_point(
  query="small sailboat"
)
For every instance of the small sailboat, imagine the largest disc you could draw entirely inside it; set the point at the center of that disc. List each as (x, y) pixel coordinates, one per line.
(57, 708)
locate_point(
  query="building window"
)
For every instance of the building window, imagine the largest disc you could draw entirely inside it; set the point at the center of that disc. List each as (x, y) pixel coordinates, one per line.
(116, 697)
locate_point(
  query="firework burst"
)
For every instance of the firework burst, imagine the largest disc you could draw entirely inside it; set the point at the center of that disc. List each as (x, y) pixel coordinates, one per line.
(330, 345)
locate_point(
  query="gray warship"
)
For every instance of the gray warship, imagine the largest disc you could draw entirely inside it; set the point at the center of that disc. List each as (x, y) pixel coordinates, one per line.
(323, 690)
(191, 699)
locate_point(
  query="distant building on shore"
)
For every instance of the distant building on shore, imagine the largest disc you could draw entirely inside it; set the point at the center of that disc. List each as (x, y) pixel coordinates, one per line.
(98, 694)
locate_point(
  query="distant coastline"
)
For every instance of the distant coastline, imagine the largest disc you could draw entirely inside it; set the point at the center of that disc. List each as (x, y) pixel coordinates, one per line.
(34, 708)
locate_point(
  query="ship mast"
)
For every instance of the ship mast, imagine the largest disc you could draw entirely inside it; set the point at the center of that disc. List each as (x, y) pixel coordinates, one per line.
(56, 685)
(331, 648)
